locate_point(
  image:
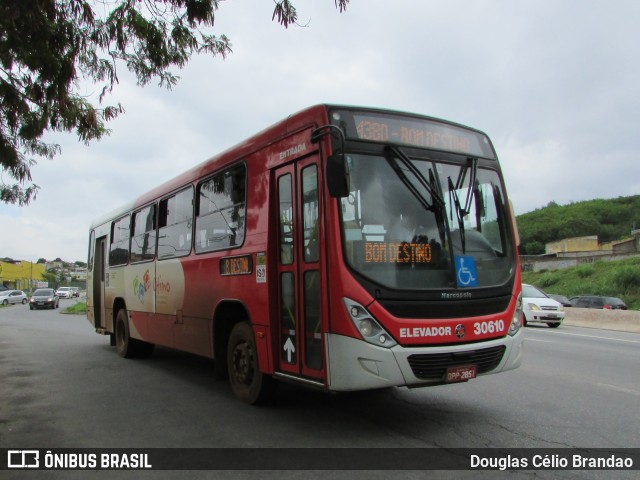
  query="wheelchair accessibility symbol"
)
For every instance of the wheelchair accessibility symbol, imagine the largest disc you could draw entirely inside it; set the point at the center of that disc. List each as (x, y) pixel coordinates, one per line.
(466, 275)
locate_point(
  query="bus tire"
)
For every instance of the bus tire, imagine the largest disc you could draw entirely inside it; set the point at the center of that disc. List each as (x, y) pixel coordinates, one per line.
(247, 382)
(126, 346)
(123, 339)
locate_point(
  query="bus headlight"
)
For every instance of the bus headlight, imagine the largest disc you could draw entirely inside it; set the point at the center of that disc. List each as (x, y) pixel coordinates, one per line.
(370, 330)
(516, 321)
(366, 327)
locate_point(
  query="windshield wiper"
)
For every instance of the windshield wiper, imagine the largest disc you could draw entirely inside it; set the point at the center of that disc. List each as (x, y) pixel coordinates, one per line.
(473, 165)
(453, 194)
(460, 213)
(437, 204)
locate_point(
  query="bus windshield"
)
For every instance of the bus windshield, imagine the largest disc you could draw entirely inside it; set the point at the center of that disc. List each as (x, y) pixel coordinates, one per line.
(422, 224)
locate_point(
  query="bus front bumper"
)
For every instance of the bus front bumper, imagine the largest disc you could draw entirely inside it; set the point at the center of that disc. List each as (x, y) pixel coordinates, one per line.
(357, 365)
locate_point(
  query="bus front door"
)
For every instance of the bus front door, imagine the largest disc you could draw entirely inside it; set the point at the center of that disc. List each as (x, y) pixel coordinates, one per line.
(300, 270)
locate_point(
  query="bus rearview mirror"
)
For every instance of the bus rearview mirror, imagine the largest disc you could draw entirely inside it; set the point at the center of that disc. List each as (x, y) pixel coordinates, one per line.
(337, 176)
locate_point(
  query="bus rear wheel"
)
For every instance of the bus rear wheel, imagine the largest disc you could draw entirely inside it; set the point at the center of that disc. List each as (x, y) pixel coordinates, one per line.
(123, 340)
(247, 382)
(126, 346)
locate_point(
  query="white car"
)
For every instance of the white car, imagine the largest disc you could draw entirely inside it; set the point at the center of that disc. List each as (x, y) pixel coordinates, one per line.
(65, 292)
(539, 307)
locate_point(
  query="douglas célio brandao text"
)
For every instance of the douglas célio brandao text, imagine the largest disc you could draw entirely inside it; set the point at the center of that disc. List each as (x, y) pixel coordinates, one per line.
(551, 461)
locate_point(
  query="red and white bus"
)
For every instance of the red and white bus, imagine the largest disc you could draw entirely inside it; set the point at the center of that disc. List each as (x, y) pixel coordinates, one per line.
(341, 248)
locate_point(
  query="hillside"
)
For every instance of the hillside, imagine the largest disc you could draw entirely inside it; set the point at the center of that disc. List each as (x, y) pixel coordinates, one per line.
(617, 279)
(611, 220)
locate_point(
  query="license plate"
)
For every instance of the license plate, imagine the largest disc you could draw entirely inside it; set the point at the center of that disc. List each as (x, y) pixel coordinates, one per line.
(461, 374)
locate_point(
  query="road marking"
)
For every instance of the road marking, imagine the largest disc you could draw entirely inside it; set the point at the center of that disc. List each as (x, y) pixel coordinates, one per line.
(592, 336)
(537, 340)
(619, 389)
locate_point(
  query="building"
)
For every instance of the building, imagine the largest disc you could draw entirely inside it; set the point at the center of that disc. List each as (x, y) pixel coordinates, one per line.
(19, 274)
(629, 245)
(570, 252)
(587, 243)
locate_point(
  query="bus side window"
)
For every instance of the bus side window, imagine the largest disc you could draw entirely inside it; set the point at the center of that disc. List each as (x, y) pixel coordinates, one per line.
(285, 201)
(310, 213)
(143, 234)
(119, 248)
(92, 248)
(174, 222)
(221, 210)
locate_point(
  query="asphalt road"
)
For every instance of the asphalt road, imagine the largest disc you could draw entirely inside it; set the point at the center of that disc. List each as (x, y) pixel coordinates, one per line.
(62, 385)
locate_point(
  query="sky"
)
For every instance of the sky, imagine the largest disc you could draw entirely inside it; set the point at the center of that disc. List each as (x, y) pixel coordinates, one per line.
(554, 83)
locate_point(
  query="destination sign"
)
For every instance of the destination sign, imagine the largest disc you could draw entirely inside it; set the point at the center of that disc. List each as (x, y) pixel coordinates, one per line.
(236, 265)
(396, 252)
(413, 131)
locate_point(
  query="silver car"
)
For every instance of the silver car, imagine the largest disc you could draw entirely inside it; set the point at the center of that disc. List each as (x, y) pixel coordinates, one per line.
(65, 292)
(13, 296)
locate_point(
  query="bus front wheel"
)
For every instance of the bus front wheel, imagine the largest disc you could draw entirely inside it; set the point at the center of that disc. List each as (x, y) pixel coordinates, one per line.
(247, 382)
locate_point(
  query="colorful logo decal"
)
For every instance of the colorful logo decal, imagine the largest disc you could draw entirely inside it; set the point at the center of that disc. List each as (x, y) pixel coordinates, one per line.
(141, 287)
(460, 330)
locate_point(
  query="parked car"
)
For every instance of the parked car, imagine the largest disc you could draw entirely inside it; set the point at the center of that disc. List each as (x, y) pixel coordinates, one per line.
(75, 291)
(598, 301)
(65, 292)
(538, 307)
(12, 296)
(44, 298)
(564, 301)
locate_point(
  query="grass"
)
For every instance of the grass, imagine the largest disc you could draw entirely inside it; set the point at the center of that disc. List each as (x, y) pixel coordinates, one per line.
(79, 308)
(615, 279)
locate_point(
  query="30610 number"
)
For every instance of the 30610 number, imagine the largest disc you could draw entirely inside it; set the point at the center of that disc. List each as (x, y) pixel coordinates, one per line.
(491, 326)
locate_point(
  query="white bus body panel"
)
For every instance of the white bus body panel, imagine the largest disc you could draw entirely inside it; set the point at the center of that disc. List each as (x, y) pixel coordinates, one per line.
(357, 365)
